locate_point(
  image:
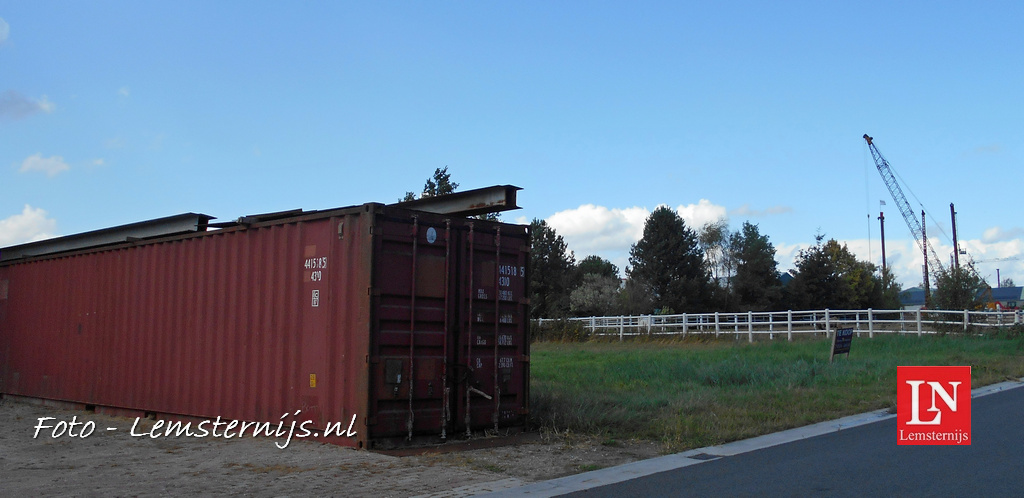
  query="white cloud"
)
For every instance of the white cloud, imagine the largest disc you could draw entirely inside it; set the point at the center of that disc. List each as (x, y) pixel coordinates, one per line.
(746, 210)
(98, 162)
(5, 30)
(697, 215)
(997, 234)
(15, 105)
(610, 232)
(590, 229)
(52, 165)
(45, 105)
(124, 91)
(785, 254)
(994, 148)
(29, 226)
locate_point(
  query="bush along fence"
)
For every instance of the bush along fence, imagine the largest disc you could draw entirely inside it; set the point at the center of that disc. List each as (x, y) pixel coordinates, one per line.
(778, 323)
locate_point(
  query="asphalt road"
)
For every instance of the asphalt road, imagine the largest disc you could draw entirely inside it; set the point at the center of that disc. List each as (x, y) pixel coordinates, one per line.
(861, 461)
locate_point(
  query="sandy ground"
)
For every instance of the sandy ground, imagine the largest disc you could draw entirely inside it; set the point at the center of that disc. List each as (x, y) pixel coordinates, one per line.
(117, 463)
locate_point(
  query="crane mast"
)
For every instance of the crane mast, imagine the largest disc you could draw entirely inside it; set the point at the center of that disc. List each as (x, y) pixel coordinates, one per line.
(916, 226)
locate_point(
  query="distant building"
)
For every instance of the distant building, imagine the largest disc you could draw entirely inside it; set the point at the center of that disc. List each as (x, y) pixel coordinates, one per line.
(912, 299)
(1000, 298)
(1003, 298)
(785, 278)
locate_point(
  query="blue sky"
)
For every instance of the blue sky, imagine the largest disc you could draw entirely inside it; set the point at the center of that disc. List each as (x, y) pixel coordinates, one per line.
(115, 112)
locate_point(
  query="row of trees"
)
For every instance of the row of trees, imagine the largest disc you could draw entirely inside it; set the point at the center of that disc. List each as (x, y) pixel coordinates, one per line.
(674, 268)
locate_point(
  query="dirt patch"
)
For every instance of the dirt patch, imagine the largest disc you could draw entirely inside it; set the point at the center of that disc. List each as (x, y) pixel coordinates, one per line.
(117, 463)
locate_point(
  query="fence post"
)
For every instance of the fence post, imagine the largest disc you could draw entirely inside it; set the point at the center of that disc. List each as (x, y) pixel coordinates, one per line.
(828, 324)
(593, 325)
(771, 326)
(789, 325)
(685, 329)
(871, 324)
(718, 328)
(919, 322)
(750, 326)
(650, 318)
(967, 319)
(622, 321)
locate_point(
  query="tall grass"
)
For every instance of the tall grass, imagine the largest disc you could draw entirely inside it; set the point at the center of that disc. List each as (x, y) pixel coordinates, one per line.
(692, 394)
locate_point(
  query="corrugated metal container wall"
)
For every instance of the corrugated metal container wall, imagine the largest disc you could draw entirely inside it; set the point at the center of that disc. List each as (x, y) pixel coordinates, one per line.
(414, 322)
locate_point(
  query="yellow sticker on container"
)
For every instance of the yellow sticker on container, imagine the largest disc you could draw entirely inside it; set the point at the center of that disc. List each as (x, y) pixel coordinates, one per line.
(312, 380)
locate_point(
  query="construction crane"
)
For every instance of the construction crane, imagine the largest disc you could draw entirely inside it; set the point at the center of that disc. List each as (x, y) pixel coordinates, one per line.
(917, 227)
(996, 260)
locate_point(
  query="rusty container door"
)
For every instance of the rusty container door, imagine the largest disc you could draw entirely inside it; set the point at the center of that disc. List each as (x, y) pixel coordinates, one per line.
(410, 340)
(493, 347)
(449, 346)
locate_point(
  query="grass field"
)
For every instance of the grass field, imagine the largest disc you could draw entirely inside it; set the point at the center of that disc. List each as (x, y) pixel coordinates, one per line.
(690, 394)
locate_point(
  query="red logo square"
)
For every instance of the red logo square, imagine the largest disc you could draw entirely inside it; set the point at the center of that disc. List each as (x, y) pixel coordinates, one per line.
(933, 405)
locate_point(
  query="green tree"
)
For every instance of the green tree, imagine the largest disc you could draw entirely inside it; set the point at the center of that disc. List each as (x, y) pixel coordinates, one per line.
(440, 183)
(714, 242)
(598, 266)
(668, 264)
(551, 272)
(633, 299)
(756, 285)
(828, 275)
(959, 289)
(714, 239)
(890, 291)
(595, 295)
(595, 287)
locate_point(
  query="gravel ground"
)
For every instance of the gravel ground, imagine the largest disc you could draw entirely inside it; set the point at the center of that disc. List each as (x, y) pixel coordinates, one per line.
(117, 463)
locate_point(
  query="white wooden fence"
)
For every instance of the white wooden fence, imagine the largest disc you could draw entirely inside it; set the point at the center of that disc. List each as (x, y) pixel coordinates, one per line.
(777, 323)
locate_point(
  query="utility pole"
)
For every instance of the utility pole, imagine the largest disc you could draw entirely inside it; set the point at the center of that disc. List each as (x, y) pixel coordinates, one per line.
(956, 247)
(881, 221)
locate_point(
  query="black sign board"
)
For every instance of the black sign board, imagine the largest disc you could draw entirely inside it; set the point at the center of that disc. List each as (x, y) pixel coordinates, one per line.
(841, 343)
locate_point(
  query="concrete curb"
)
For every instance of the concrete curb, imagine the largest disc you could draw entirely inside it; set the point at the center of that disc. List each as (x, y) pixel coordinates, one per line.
(611, 475)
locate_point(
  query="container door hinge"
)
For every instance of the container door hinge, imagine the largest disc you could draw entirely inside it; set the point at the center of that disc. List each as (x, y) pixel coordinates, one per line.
(373, 291)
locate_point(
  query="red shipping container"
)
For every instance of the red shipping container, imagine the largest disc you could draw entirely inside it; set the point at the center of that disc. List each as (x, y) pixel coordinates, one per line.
(416, 323)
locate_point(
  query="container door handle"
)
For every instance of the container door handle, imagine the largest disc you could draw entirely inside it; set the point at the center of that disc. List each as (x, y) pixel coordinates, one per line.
(475, 390)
